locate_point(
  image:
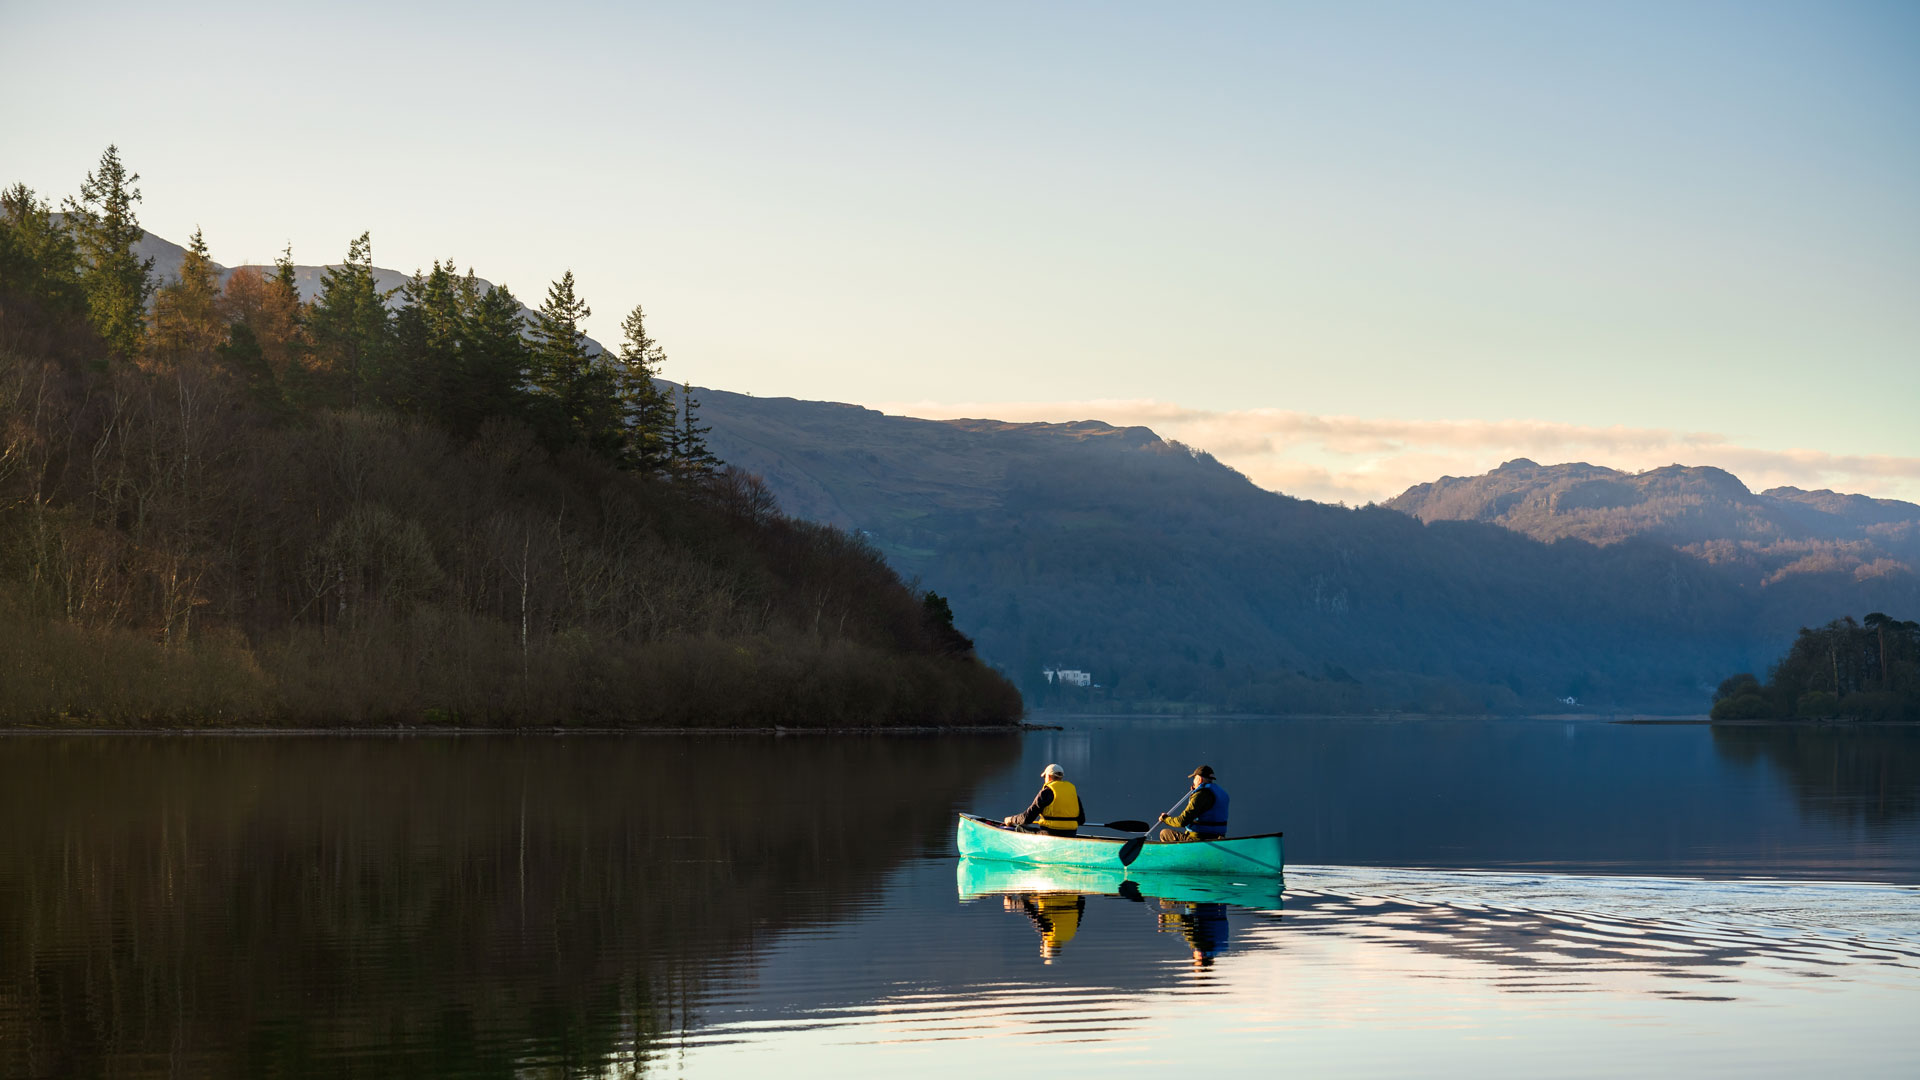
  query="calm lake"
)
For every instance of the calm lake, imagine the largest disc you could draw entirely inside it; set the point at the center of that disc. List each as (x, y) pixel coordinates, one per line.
(1465, 897)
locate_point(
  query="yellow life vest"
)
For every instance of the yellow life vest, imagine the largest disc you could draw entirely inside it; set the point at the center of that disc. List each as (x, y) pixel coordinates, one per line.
(1063, 813)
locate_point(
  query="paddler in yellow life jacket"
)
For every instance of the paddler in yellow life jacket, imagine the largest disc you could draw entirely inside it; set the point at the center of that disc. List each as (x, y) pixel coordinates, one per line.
(1056, 809)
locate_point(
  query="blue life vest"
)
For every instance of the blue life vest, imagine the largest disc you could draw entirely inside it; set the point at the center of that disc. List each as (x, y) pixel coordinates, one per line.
(1213, 821)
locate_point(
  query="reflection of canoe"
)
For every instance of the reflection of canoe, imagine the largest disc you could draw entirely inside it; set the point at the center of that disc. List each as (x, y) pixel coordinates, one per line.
(1242, 856)
(990, 877)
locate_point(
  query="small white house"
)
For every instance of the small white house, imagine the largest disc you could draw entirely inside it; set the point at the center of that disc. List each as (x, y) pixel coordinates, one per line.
(1070, 677)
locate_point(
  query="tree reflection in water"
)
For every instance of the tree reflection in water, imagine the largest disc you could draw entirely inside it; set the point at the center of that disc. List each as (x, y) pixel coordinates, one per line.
(477, 906)
(1845, 773)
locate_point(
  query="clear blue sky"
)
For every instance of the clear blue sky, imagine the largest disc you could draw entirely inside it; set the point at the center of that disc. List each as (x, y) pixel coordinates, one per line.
(1690, 216)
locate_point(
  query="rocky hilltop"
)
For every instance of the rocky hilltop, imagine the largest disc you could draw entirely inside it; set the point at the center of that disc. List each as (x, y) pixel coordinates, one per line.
(1705, 511)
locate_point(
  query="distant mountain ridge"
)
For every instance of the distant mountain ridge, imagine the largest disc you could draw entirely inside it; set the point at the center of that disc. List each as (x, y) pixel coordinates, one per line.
(1178, 583)
(858, 468)
(1702, 510)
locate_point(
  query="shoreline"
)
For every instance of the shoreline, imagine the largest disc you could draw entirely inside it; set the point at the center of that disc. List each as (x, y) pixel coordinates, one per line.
(1395, 717)
(1022, 727)
(1771, 722)
(548, 732)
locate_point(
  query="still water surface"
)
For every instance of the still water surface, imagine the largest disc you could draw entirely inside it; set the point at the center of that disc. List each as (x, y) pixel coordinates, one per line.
(1466, 898)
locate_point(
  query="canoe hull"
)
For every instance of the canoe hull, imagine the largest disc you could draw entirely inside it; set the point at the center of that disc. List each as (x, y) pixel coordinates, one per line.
(978, 878)
(1241, 856)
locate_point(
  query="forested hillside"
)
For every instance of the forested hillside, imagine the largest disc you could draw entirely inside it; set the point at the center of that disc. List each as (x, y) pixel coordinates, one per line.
(1177, 583)
(221, 504)
(1762, 537)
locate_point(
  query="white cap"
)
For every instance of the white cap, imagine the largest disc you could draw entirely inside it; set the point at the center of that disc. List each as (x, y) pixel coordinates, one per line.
(1054, 770)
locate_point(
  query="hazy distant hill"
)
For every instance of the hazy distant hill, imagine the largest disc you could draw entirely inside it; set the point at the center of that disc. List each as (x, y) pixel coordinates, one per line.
(1173, 579)
(855, 467)
(1765, 536)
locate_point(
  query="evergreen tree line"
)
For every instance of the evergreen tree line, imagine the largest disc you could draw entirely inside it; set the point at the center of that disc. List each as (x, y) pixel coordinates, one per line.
(219, 504)
(1865, 670)
(448, 348)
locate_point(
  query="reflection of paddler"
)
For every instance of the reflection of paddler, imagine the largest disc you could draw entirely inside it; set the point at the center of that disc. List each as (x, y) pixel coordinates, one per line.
(1055, 914)
(1203, 925)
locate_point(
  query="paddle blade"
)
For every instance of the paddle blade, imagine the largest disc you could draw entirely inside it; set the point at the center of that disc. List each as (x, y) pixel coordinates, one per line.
(1130, 850)
(1126, 825)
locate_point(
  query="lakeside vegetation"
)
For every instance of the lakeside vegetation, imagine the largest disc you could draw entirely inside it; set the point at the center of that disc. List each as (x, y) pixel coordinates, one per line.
(220, 505)
(1866, 670)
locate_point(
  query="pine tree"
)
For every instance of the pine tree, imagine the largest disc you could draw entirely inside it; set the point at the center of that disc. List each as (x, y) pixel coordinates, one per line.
(578, 401)
(38, 258)
(187, 321)
(282, 327)
(242, 356)
(495, 358)
(351, 327)
(117, 282)
(244, 306)
(560, 359)
(600, 426)
(428, 330)
(647, 410)
(283, 272)
(691, 458)
(269, 309)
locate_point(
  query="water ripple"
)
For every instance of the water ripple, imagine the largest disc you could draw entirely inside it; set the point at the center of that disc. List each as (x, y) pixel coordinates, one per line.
(1326, 960)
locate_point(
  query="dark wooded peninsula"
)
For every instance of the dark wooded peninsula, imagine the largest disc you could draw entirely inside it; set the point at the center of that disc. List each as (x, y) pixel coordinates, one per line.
(1845, 670)
(221, 505)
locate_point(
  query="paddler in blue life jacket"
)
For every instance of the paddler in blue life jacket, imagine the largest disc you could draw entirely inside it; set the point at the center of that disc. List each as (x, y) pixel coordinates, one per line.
(1205, 815)
(1056, 809)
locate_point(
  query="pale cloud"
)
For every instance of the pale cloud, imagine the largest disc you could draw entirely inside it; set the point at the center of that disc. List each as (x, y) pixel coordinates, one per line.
(1357, 459)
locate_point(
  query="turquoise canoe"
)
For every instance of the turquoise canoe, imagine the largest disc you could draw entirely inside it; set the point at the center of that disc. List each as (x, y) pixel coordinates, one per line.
(992, 877)
(1241, 856)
